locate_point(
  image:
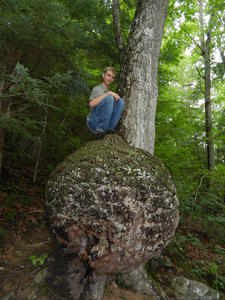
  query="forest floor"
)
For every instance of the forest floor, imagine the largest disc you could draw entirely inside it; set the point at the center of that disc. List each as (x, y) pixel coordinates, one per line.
(27, 246)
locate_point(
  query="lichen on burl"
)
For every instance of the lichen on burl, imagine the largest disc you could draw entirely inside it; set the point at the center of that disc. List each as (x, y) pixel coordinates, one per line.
(112, 203)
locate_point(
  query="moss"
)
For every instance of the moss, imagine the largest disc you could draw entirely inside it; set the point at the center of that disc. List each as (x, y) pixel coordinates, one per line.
(113, 200)
(100, 173)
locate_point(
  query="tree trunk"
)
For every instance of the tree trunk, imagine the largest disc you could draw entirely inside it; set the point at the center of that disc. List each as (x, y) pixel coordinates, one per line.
(208, 110)
(3, 109)
(2, 139)
(116, 22)
(39, 147)
(206, 49)
(4, 104)
(138, 78)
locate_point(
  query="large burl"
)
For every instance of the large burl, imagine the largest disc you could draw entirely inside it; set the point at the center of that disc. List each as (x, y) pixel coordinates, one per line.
(112, 205)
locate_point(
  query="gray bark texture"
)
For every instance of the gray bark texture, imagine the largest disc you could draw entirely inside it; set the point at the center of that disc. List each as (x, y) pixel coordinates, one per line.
(113, 206)
(138, 77)
(208, 106)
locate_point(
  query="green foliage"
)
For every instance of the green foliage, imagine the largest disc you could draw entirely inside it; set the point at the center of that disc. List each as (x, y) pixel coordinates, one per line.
(3, 233)
(178, 246)
(42, 30)
(211, 271)
(38, 261)
(119, 279)
(220, 250)
(198, 259)
(10, 216)
(11, 205)
(180, 139)
(194, 240)
(26, 201)
(53, 36)
(27, 94)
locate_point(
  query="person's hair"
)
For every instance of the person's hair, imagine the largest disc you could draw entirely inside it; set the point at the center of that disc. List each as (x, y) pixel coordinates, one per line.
(112, 69)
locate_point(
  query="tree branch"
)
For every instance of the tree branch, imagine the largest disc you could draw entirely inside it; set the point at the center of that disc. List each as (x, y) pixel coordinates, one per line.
(201, 179)
(201, 47)
(199, 73)
(116, 22)
(201, 26)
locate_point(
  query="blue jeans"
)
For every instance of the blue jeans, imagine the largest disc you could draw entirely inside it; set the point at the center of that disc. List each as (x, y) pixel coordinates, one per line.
(106, 114)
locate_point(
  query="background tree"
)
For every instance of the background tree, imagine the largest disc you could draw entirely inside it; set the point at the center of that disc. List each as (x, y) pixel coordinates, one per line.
(180, 120)
(206, 53)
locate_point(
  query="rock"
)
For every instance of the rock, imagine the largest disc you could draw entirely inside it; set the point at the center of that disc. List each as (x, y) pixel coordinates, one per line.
(113, 292)
(185, 289)
(112, 205)
(41, 276)
(8, 296)
(139, 282)
(32, 295)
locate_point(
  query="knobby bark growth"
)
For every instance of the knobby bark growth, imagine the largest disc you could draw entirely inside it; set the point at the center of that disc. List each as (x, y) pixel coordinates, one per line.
(114, 216)
(138, 73)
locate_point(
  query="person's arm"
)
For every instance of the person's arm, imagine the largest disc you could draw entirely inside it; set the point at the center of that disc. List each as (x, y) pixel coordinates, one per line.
(97, 100)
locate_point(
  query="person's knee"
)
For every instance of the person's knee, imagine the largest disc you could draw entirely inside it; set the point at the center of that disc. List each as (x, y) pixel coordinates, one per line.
(108, 100)
(121, 103)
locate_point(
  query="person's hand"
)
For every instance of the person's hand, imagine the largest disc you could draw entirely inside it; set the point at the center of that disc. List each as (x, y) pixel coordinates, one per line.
(115, 95)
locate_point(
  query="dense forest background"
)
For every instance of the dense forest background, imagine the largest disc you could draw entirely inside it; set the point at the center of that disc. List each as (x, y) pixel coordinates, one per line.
(52, 54)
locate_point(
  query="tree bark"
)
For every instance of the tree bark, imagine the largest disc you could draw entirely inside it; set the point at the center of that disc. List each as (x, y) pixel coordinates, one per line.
(208, 105)
(39, 147)
(116, 22)
(2, 133)
(4, 110)
(222, 56)
(206, 51)
(138, 78)
(4, 102)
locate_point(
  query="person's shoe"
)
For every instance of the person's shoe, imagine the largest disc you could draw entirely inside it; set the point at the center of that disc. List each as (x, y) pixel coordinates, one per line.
(111, 131)
(100, 133)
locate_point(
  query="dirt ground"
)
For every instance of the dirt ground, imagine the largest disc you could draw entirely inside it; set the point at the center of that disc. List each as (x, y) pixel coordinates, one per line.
(21, 279)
